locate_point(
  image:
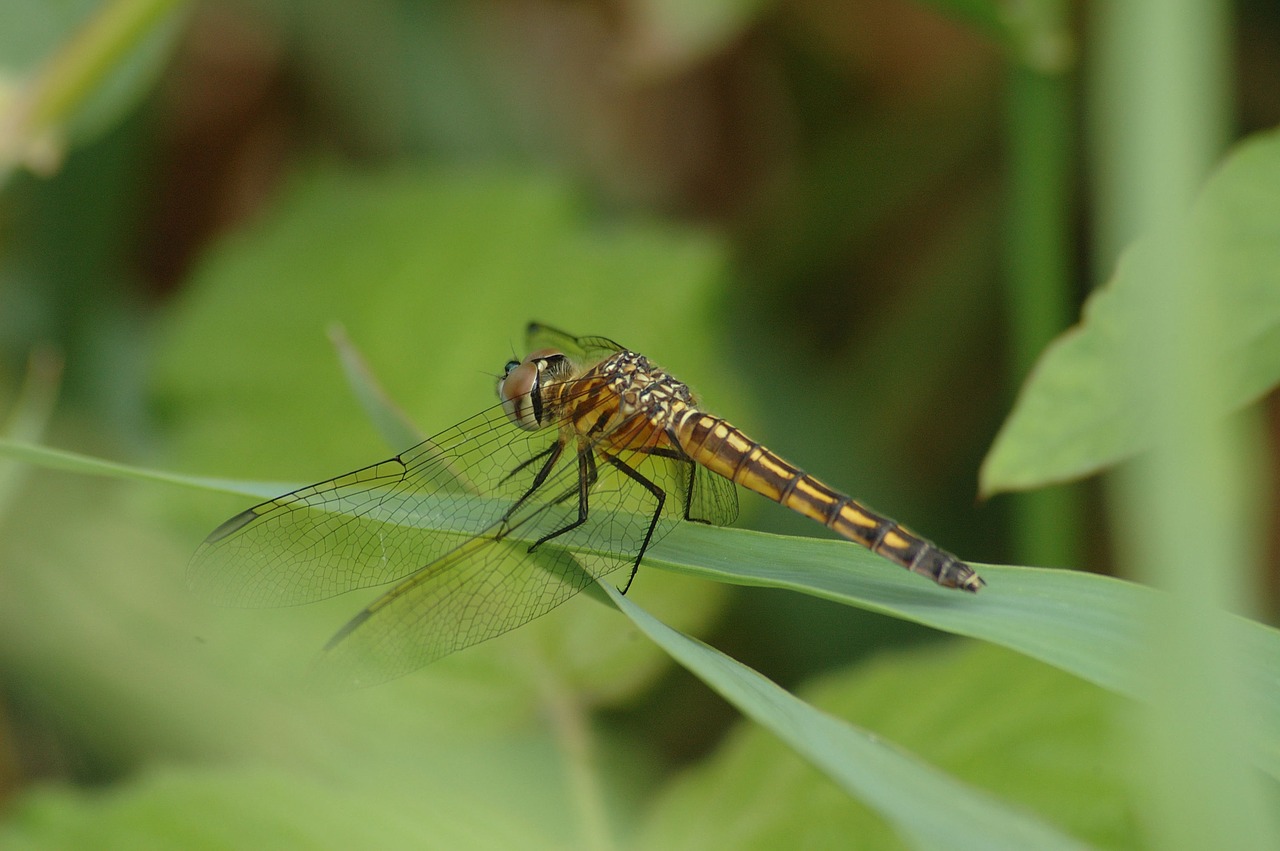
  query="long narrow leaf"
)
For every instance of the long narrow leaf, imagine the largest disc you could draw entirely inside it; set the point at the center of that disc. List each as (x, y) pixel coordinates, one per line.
(1084, 624)
(928, 807)
(392, 423)
(72, 462)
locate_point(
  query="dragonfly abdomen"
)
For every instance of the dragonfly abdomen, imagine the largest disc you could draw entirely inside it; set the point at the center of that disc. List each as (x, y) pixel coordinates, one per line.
(724, 449)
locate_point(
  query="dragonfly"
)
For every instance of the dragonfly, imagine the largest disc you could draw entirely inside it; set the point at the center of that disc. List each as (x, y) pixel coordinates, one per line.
(592, 454)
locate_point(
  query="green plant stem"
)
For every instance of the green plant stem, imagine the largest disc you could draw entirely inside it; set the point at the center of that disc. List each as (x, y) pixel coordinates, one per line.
(1047, 522)
(1182, 512)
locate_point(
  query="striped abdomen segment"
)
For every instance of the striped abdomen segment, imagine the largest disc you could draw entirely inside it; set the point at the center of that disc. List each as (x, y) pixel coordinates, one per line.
(720, 447)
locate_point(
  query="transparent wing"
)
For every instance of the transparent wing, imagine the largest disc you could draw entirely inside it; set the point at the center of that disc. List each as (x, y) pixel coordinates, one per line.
(714, 499)
(370, 526)
(493, 584)
(457, 515)
(584, 350)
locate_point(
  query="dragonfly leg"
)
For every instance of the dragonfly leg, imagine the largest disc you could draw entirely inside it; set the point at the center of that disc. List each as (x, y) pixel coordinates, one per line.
(552, 453)
(586, 480)
(658, 493)
(677, 455)
(554, 450)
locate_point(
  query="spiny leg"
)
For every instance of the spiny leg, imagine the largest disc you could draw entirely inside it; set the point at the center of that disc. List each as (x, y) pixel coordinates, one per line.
(677, 455)
(586, 480)
(555, 448)
(564, 497)
(552, 454)
(658, 494)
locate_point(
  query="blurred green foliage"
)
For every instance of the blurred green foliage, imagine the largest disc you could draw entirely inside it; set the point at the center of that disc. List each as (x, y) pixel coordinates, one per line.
(798, 208)
(1080, 405)
(1041, 743)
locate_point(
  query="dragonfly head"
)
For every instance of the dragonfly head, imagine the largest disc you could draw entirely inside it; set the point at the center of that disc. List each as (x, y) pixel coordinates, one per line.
(522, 382)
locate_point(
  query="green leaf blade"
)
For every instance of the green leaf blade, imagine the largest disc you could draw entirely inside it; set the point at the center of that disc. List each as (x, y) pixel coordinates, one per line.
(1087, 625)
(1084, 624)
(932, 809)
(1073, 416)
(74, 462)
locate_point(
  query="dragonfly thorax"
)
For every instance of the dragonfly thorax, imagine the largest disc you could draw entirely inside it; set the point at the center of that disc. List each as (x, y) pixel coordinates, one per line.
(642, 387)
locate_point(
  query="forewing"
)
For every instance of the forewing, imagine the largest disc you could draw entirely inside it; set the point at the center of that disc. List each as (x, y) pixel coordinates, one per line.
(490, 586)
(584, 350)
(477, 592)
(370, 526)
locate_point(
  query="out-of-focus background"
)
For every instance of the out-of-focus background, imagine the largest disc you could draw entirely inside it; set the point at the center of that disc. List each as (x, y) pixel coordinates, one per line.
(850, 226)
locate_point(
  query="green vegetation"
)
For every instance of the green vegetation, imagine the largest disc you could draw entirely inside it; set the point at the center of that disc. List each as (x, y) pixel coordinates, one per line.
(412, 184)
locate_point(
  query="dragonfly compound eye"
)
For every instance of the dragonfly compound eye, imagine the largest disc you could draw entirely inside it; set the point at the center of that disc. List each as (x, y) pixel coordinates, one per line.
(520, 390)
(516, 391)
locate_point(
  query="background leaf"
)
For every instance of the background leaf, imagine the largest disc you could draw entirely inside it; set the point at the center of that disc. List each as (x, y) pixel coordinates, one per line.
(433, 276)
(1042, 745)
(1073, 417)
(83, 67)
(891, 782)
(239, 808)
(667, 35)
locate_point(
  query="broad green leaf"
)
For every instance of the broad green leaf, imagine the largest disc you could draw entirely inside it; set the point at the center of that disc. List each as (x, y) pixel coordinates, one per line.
(1023, 731)
(926, 807)
(1073, 417)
